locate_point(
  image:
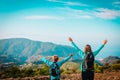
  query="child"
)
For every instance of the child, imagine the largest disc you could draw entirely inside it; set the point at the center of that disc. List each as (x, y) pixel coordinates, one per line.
(55, 66)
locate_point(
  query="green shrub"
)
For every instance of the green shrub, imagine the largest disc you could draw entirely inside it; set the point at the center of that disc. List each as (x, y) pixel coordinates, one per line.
(61, 70)
(12, 71)
(98, 69)
(67, 72)
(27, 72)
(44, 70)
(115, 67)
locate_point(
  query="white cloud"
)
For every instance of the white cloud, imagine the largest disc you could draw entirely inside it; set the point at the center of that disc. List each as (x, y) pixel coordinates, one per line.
(75, 4)
(71, 9)
(53, 0)
(116, 4)
(72, 3)
(82, 16)
(43, 17)
(86, 17)
(107, 13)
(69, 3)
(102, 13)
(74, 13)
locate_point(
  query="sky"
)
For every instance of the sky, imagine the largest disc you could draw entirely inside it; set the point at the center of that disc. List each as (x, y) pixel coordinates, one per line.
(86, 21)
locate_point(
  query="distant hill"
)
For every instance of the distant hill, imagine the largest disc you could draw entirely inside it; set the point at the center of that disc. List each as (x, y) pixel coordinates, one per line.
(110, 59)
(19, 50)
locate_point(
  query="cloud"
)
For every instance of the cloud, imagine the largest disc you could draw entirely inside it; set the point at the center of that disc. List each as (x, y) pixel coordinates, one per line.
(116, 4)
(86, 17)
(106, 13)
(102, 13)
(75, 13)
(53, 0)
(44, 17)
(74, 4)
(69, 3)
(68, 9)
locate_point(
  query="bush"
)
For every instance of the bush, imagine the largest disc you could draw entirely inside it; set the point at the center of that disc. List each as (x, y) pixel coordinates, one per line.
(67, 72)
(43, 70)
(98, 69)
(12, 71)
(61, 70)
(27, 72)
(115, 67)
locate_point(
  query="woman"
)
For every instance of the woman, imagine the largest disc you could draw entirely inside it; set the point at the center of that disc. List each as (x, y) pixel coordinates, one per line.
(88, 60)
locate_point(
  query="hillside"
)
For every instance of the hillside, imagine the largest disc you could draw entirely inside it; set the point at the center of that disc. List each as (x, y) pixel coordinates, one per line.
(19, 50)
(110, 59)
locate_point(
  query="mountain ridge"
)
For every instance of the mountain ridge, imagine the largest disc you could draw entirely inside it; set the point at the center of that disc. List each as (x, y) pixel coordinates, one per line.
(23, 49)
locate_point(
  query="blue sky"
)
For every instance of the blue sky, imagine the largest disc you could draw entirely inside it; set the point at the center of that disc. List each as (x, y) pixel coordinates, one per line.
(86, 21)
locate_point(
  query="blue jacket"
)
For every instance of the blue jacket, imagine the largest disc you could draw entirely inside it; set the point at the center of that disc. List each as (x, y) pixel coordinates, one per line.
(59, 64)
(82, 54)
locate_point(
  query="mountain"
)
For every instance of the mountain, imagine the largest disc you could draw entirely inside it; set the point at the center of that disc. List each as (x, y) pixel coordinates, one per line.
(22, 50)
(19, 50)
(110, 60)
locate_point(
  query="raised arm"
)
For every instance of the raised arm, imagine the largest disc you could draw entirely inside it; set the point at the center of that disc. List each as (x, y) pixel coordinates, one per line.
(76, 47)
(99, 49)
(65, 60)
(46, 61)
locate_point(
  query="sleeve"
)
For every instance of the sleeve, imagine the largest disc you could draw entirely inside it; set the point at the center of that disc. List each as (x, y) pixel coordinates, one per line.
(80, 52)
(99, 49)
(46, 61)
(64, 60)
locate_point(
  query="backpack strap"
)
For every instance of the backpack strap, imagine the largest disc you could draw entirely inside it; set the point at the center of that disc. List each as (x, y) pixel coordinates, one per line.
(55, 64)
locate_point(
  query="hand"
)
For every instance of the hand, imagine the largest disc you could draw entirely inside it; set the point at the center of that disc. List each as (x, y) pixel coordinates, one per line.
(70, 39)
(71, 54)
(104, 42)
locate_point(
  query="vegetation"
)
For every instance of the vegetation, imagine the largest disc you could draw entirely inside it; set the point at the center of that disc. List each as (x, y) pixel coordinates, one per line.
(15, 72)
(70, 68)
(115, 67)
(98, 69)
(67, 68)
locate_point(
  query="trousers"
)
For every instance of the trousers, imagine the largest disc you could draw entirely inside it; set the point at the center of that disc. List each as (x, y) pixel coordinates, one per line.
(87, 75)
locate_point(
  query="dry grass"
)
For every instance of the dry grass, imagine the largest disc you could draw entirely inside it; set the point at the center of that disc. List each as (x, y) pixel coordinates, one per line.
(98, 76)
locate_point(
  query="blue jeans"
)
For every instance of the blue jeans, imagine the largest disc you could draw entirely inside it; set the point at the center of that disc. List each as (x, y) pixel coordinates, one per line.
(87, 75)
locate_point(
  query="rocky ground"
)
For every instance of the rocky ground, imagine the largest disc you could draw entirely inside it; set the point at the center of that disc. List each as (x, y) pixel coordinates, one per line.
(98, 76)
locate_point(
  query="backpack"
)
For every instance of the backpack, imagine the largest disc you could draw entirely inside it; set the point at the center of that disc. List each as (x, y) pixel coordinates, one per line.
(54, 69)
(88, 63)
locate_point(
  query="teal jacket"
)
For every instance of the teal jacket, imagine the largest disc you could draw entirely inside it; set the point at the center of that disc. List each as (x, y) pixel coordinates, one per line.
(82, 54)
(60, 63)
